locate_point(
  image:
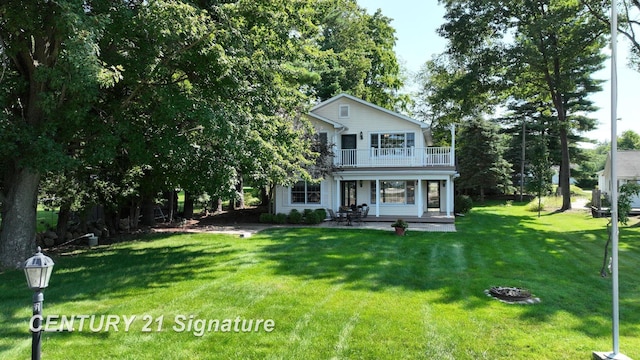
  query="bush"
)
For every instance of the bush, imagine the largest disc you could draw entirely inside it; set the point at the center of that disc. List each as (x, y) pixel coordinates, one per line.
(322, 214)
(266, 218)
(280, 218)
(462, 204)
(312, 218)
(295, 217)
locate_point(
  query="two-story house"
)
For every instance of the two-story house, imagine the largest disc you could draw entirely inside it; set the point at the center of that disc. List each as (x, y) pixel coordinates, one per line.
(384, 161)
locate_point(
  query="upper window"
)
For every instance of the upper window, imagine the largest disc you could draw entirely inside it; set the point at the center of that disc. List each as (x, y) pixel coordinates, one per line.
(393, 140)
(303, 192)
(344, 111)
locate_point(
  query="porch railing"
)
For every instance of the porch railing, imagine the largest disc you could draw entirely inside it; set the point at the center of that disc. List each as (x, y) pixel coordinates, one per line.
(406, 157)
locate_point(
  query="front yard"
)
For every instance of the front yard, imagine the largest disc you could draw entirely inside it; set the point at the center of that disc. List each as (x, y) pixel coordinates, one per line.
(335, 293)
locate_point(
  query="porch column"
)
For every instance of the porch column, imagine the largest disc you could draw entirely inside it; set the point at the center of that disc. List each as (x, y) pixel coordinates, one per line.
(449, 196)
(419, 198)
(336, 206)
(377, 197)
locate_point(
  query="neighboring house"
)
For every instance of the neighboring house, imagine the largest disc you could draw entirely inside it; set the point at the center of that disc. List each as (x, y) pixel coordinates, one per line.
(627, 169)
(383, 160)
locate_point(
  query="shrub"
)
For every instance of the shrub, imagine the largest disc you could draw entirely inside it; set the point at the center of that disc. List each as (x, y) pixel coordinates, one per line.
(295, 217)
(280, 218)
(312, 218)
(266, 218)
(462, 204)
(322, 214)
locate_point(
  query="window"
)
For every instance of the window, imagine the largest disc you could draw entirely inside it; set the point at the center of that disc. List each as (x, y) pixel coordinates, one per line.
(394, 192)
(344, 111)
(303, 192)
(391, 143)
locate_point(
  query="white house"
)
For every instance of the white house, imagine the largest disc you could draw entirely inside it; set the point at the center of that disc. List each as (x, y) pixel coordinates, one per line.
(628, 170)
(384, 161)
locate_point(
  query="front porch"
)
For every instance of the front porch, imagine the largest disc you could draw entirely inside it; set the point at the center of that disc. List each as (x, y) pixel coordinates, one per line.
(428, 217)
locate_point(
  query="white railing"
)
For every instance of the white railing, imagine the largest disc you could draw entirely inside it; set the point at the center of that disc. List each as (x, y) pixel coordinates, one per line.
(408, 157)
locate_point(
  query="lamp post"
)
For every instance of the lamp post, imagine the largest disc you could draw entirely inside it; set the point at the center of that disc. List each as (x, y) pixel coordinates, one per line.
(37, 269)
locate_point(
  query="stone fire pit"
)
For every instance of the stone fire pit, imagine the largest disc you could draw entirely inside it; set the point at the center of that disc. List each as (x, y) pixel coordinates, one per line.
(512, 295)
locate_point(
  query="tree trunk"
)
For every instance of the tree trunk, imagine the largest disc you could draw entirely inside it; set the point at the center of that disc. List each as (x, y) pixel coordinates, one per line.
(148, 211)
(170, 204)
(240, 192)
(264, 195)
(564, 175)
(19, 216)
(188, 205)
(63, 219)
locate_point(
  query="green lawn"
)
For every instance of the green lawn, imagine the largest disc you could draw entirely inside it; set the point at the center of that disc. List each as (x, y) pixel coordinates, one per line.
(334, 293)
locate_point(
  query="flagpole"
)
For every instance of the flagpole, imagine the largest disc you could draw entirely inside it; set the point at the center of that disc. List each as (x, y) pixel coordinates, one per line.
(615, 316)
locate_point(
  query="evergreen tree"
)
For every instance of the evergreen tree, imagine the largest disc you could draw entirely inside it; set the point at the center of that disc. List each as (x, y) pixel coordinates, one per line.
(481, 163)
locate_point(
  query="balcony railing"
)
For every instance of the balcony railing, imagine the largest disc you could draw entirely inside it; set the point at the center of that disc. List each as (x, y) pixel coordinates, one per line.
(407, 157)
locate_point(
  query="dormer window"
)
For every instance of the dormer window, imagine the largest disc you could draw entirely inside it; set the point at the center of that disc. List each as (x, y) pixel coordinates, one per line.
(344, 111)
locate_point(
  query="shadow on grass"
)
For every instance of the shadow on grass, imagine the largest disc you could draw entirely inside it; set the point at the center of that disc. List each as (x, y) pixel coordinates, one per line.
(489, 249)
(111, 272)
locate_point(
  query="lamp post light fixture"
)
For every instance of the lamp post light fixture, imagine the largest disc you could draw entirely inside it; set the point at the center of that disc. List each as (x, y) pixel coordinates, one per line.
(37, 269)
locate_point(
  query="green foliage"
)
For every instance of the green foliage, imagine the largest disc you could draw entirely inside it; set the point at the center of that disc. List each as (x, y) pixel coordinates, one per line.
(313, 217)
(295, 217)
(280, 218)
(510, 52)
(462, 204)
(625, 196)
(629, 140)
(481, 164)
(400, 224)
(539, 168)
(267, 218)
(321, 213)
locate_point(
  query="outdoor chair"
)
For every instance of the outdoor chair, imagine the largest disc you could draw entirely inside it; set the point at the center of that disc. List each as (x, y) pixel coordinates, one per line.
(337, 219)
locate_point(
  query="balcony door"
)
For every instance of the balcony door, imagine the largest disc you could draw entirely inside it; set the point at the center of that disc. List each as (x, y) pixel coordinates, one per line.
(349, 157)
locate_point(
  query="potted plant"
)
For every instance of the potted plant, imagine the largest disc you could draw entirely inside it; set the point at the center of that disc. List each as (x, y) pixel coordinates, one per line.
(400, 226)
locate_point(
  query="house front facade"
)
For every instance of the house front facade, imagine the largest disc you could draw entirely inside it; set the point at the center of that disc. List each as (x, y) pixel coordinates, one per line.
(384, 161)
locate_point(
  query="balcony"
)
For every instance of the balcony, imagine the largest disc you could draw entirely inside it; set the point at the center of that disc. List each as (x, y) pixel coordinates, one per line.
(395, 157)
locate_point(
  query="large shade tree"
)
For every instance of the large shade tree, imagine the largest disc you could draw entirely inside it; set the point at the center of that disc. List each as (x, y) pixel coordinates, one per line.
(126, 99)
(51, 77)
(516, 49)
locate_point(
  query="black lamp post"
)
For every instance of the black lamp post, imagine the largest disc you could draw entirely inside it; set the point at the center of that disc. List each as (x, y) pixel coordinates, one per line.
(37, 269)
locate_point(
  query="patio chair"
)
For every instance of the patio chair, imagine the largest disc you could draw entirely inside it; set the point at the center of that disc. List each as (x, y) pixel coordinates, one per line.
(334, 218)
(357, 217)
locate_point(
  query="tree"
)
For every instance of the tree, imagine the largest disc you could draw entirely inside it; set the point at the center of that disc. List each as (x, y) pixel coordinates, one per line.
(523, 50)
(628, 24)
(629, 140)
(357, 55)
(51, 78)
(539, 169)
(481, 164)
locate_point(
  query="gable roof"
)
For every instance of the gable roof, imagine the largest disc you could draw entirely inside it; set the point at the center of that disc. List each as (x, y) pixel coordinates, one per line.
(366, 103)
(336, 125)
(628, 164)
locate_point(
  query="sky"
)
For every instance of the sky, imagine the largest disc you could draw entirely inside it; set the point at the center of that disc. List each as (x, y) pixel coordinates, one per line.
(416, 22)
